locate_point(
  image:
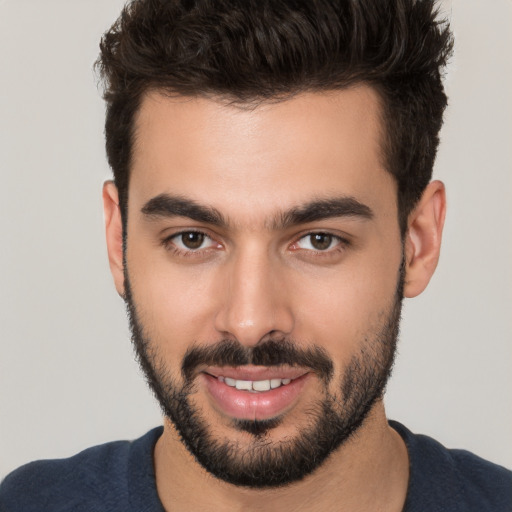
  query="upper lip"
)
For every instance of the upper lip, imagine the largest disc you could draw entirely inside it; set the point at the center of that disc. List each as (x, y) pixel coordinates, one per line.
(255, 373)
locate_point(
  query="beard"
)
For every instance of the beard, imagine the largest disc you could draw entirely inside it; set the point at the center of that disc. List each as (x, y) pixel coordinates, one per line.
(262, 462)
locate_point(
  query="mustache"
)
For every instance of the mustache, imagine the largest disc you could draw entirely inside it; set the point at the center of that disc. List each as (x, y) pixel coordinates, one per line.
(269, 353)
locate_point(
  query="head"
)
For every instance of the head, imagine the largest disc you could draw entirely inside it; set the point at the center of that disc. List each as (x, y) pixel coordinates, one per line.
(270, 208)
(248, 52)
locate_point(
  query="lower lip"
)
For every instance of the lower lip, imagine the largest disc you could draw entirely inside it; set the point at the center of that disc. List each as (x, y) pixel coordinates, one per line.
(245, 405)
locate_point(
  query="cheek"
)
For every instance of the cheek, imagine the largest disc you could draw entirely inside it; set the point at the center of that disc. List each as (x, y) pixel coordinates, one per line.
(344, 308)
(336, 308)
(175, 305)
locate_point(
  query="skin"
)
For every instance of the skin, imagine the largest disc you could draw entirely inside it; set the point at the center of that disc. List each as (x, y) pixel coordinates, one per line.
(256, 278)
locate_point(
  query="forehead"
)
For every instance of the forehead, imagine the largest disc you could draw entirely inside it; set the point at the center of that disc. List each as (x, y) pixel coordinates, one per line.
(263, 157)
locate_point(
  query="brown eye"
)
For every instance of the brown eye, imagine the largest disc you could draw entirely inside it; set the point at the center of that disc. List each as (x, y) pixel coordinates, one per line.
(192, 239)
(320, 241)
(186, 243)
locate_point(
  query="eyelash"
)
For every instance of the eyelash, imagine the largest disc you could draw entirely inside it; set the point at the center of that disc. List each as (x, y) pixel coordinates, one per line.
(341, 244)
(169, 245)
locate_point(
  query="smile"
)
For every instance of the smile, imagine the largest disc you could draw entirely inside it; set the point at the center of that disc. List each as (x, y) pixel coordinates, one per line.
(254, 393)
(255, 386)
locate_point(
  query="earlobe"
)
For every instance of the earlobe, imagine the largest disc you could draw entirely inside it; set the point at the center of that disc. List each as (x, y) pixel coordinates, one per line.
(423, 239)
(114, 234)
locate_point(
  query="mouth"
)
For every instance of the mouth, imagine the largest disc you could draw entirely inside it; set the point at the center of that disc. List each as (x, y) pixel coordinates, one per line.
(252, 393)
(255, 386)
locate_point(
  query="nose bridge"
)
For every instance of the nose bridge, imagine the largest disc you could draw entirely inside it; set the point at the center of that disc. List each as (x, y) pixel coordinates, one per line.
(254, 305)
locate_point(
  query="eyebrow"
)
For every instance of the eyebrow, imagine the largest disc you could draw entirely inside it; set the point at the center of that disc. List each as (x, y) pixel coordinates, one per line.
(345, 206)
(166, 205)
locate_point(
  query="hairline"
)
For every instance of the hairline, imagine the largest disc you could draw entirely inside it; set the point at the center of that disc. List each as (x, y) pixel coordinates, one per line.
(253, 102)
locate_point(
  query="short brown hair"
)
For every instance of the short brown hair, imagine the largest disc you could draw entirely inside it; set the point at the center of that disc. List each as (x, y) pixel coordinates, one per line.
(256, 50)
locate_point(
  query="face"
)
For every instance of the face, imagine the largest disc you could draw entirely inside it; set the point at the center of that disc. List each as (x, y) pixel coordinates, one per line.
(263, 275)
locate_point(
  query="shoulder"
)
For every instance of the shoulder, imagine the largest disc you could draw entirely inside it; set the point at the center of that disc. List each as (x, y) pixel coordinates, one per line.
(452, 480)
(491, 483)
(94, 479)
(76, 483)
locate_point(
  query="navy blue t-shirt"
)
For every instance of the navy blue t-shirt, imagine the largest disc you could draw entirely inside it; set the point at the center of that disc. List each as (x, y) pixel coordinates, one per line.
(119, 477)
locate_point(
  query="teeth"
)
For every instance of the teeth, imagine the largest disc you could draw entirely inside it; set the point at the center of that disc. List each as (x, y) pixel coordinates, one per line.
(255, 385)
(261, 385)
(275, 383)
(244, 384)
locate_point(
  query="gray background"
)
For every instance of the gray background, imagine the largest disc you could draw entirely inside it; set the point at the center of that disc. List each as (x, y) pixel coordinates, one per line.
(67, 375)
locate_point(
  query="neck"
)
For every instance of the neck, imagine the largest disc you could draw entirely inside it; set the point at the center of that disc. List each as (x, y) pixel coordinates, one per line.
(368, 472)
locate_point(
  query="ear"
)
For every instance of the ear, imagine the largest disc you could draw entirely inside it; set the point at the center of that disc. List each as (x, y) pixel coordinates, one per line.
(423, 238)
(114, 234)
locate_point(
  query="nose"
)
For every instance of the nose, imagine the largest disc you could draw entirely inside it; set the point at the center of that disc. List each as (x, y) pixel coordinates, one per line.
(254, 303)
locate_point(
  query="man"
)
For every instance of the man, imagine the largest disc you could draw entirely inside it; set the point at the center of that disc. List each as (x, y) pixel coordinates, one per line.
(271, 207)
